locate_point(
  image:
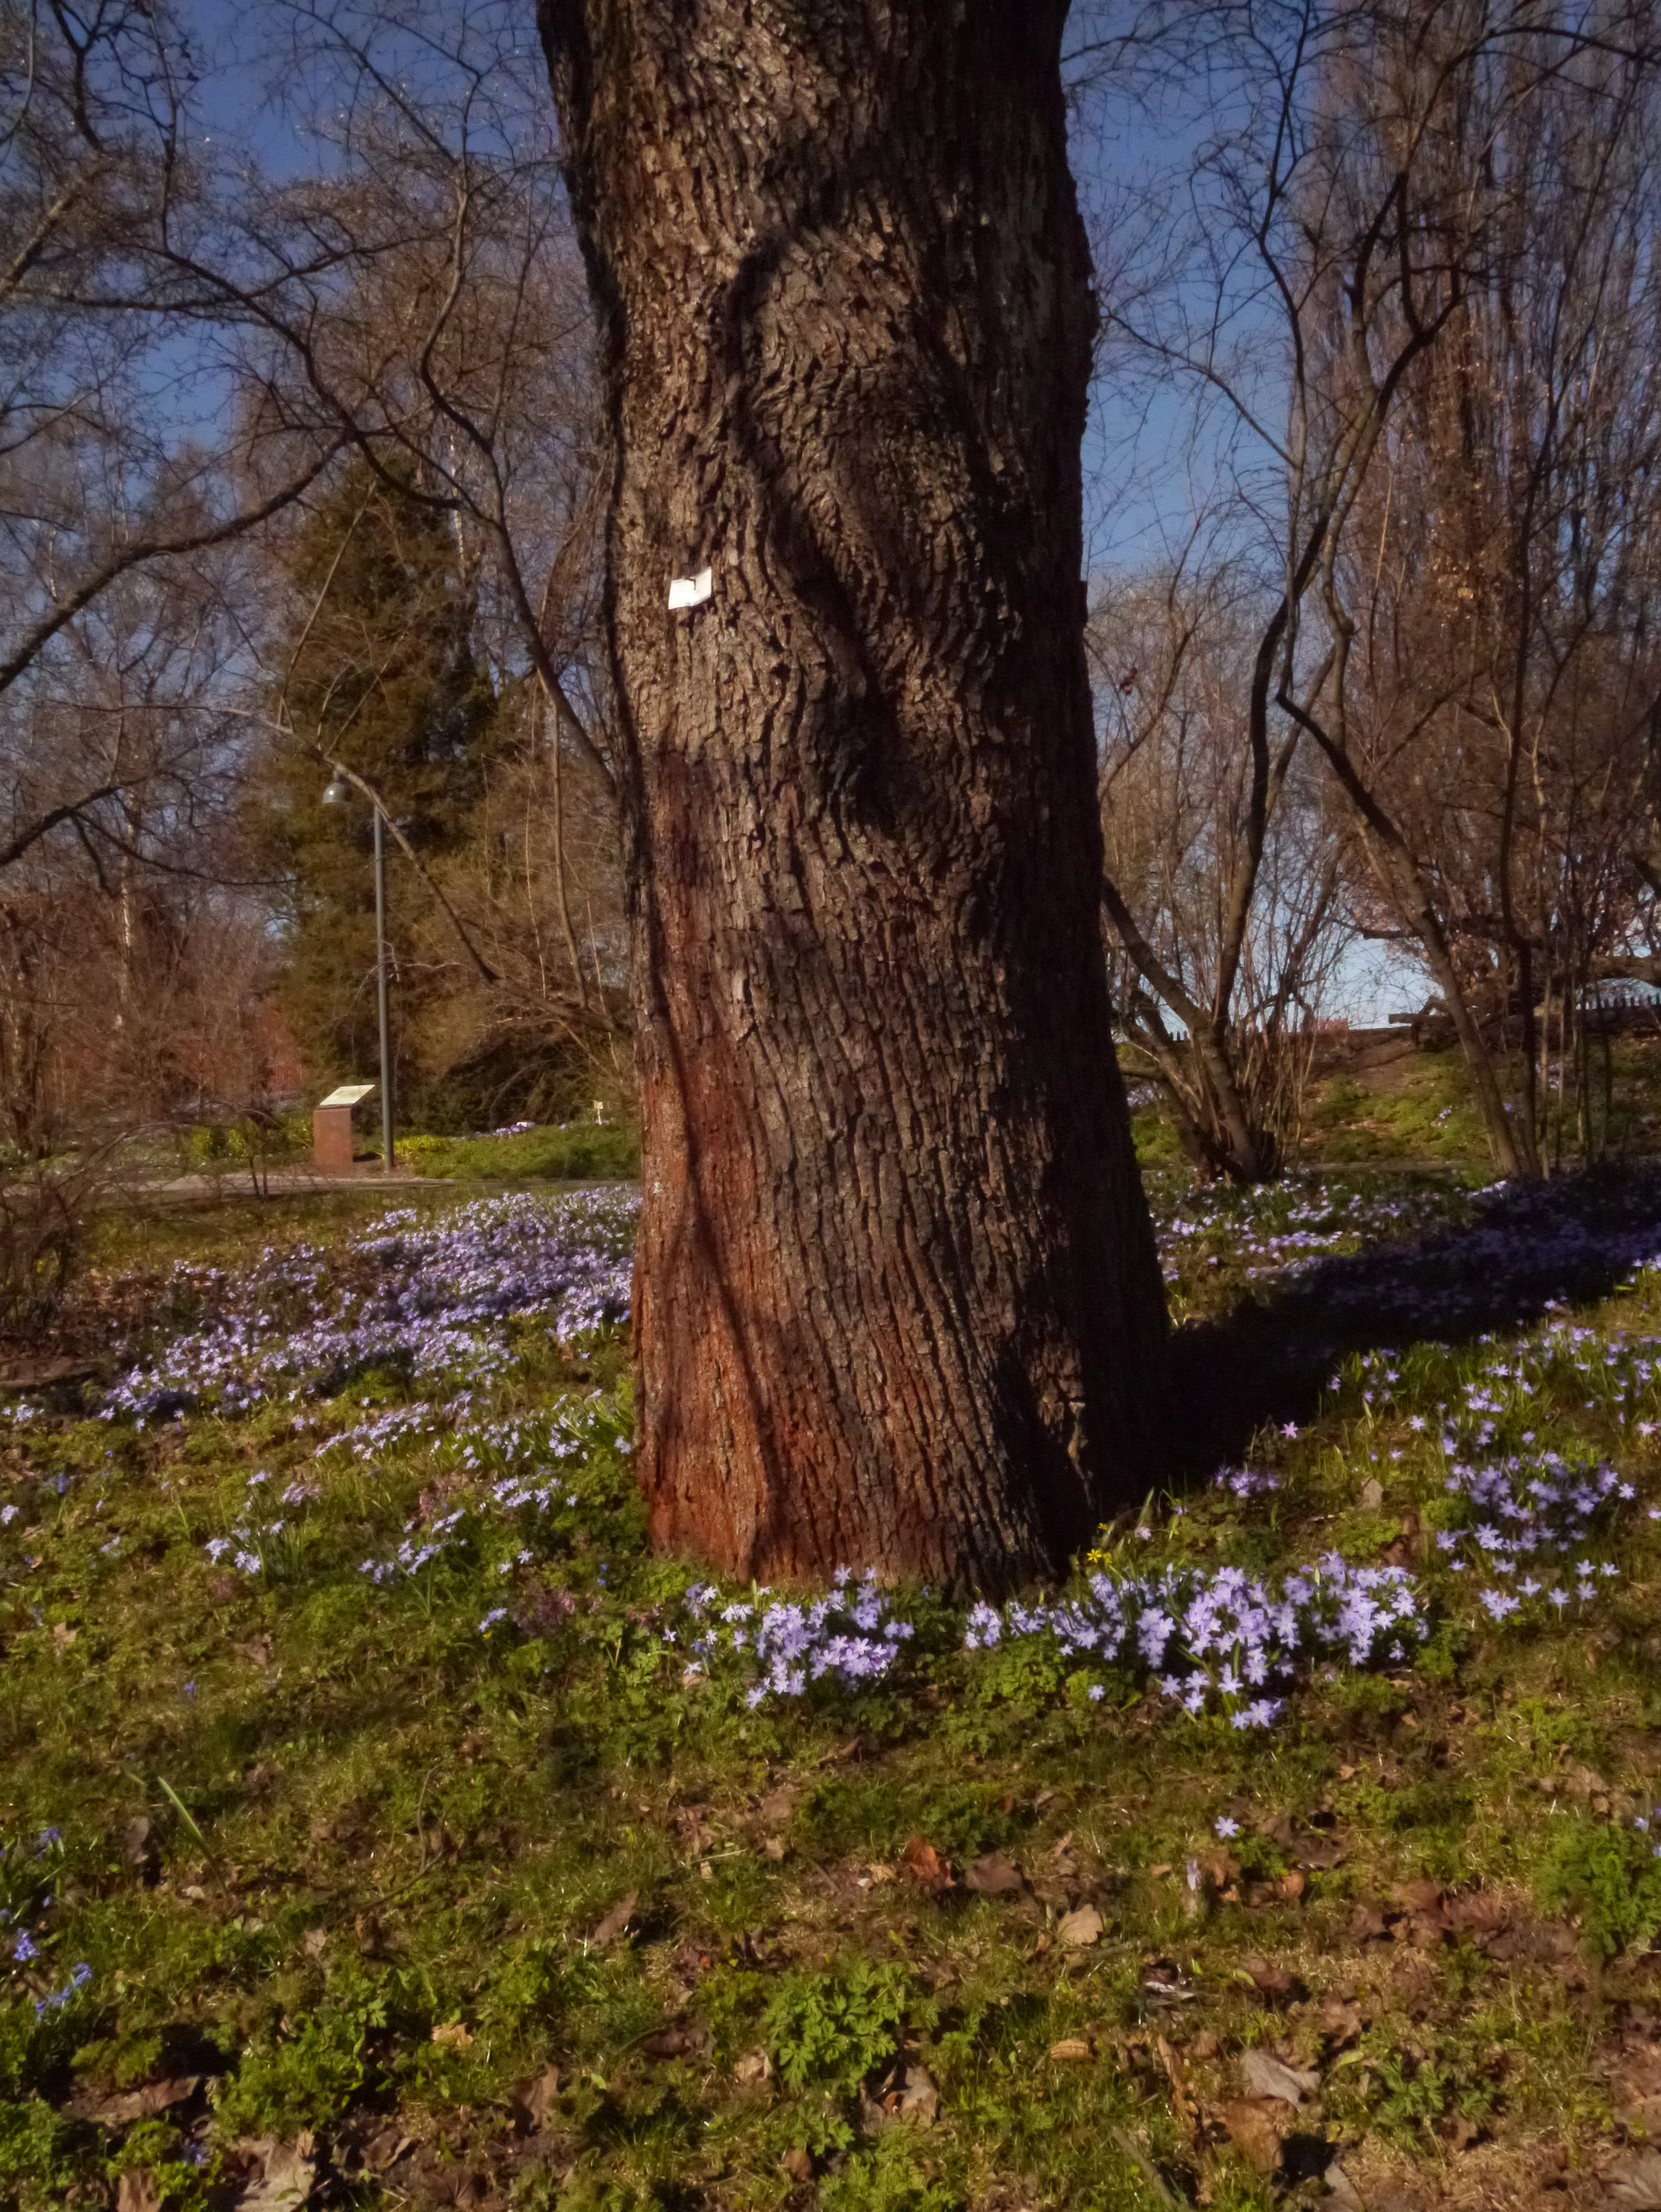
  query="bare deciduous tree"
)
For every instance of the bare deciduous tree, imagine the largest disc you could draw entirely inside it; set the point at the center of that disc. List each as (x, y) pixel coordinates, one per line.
(1382, 187)
(1220, 997)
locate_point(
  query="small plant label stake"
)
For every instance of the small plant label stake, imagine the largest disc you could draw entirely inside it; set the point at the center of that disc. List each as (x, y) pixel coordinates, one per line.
(691, 590)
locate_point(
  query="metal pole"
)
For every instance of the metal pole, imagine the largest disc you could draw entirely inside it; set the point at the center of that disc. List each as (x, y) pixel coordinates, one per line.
(387, 1157)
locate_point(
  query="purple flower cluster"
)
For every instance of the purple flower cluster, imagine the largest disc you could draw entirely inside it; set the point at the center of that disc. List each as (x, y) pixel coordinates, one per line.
(25, 1875)
(1529, 1525)
(368, 1439)
(1525, 1524)
(1244, 1481)
(572, 1257)
(1283, 1229)
(57, 1998)
(260, 1545)
(419, 1549)
(504, 1469)
(510, 1473)
(848, 1637)
(1223, 1635)
(563, 1433)
(1516, 1378)
(436, 1300)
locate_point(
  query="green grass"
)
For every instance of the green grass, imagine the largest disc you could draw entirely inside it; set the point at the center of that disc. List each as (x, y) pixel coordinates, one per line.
(1430, 1119)
(346, 1861)
(582, 1151)
(1425, 1116)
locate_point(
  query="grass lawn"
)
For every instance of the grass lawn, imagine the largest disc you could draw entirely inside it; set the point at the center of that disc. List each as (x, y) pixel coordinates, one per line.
(384, 1826)
(1416, 1110)
(577, 1152)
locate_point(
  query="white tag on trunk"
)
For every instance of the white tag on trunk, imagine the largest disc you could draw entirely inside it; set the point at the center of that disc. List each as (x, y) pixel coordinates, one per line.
(691, 590)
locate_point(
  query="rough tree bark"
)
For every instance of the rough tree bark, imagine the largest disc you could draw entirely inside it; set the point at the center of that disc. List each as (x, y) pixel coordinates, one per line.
(896, 1300)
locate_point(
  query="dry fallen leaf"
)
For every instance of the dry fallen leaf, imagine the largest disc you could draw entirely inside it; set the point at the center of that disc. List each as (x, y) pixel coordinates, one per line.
(614, 1923)
(992, 1876)
(1270, 1980)
(1481, 1915)
(1546, 1941)
(1257, 2127)
(1080, 1929)
(925, 1865)
(452, 2035)
(1185, 2106)
(289, 2176)
(1342, 2189)
(137, 2190)
(386, 2147)
(539, 2099)
(752, 2069)
(1320, 1854)
(1070, 2047)
(1419, 1896)
(1635, 2185)
(1269, 2076)
(1581, 1784)
(1163, 1985)
(136, 1848)
(62, 1637)
(671, 2043)
(920, 2100)
(798, 2164)
(120, 2110)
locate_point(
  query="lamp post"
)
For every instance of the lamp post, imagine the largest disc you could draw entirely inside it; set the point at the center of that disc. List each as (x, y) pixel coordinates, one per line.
(336, 795)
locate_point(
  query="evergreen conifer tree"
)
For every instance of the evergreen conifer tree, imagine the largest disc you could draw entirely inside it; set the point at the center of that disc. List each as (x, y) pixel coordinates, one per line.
(380, 677)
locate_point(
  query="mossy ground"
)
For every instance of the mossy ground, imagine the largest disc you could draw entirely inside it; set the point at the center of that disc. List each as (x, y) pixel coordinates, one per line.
(416, 1912)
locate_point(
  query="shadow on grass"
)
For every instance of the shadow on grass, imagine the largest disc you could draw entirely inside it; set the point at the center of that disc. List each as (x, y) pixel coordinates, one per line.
(1532, 1245)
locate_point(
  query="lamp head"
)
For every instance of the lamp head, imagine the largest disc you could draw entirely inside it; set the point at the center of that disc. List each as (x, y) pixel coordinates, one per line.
(335, 795)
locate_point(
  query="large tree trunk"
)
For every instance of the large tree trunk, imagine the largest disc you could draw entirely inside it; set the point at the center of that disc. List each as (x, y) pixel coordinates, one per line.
(897, 1299)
